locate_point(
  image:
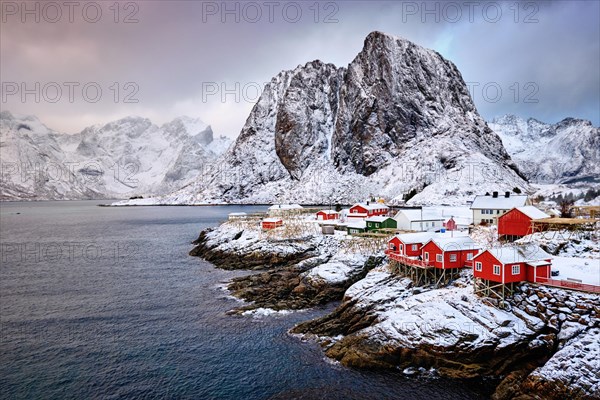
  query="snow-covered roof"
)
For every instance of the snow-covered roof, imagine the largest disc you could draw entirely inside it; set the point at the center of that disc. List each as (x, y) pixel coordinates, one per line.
(533, 212)
(424, 237)
(499, 203)
(377, 218)
(328, 211)
(419, 237)
(237, 214)
(415, 215)
(357, 224)
(371, 206)
(521, 253)
(272, 220)
(454, 243)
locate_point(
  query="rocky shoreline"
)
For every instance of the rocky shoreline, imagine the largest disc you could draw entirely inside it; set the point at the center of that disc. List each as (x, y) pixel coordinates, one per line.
(543, 343)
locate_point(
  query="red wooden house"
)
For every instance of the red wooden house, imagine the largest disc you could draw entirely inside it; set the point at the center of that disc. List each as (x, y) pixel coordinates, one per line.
(326, 215)
(499, 268)
(450, 225)
(409, 244)
(362, 210)
(449, 252)
(516, 223)
(271, 223)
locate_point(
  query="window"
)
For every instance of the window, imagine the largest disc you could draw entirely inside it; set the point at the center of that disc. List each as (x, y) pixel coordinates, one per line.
(516, 269)
(470, 256)
(497, 211)
(426, 256)
(478, 266)
(438, 257)
(452, 257)
(415, 247)
(496, 270)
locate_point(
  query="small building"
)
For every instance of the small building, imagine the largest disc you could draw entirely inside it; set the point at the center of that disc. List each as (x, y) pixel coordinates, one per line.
(496, 270)
(418, 220)
(327, 215)
(450, 252)
(271, 223)
(409, 244)
(450, 225)
(356, 227)
(380, 222)
(366, 210)
(486, 209)
(237, 215)
(328, 229)
(516, 223)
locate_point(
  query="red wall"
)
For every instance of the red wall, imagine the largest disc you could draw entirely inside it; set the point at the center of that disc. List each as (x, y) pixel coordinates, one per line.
(542, 272)
(433, 251)
(325, 216)
(358, 209)
(514, 223)
(408, 251)
(488, 261)
(271, 225)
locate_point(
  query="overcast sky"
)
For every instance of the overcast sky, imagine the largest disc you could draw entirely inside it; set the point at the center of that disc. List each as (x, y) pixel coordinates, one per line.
(202, 60)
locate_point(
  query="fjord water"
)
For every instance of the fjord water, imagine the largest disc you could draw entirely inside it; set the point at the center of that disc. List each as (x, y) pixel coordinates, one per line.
(99, 302)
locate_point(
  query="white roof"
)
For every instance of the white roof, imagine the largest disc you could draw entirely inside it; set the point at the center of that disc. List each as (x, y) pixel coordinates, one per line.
(533, 212)
(455, 243)
(377, 218)
(358, 224)
(517, 254)
(329, 211)
(424, 237)
(500, 202)
(371, 206)
(415, 215)
(271, 219)
(237, 213)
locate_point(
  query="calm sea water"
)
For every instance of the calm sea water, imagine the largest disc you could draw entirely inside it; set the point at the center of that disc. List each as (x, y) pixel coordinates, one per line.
(105, 303)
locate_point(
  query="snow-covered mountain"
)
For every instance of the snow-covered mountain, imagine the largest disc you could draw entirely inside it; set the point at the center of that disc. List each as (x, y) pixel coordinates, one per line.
(565, 152)
(398, 118)
(123, 158)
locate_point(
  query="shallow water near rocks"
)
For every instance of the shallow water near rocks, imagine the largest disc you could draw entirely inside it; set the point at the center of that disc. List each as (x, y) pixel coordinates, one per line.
(105, 302)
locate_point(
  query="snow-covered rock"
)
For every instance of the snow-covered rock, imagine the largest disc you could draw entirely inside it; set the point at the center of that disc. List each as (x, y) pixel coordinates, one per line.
(398, 118)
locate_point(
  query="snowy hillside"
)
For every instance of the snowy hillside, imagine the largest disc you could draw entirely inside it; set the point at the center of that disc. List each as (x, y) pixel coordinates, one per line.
(131, 156)
(565, 152)
(398, 118)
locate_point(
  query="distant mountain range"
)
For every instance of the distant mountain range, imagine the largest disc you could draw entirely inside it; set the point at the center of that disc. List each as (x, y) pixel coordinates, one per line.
(124, 158)
(397, 122)
(566, 152)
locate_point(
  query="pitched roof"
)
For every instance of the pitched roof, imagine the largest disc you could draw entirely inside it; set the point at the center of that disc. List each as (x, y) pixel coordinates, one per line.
(415, 215)
(533, 212)
(357, 224)
(499, 203)
(423, 237)
(377, 218)
(328, 212)
(272, 220)
(455, 243)
(519, 253)
(371, 206)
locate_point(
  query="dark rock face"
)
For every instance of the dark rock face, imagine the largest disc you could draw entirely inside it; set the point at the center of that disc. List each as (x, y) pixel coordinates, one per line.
(395, 100)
